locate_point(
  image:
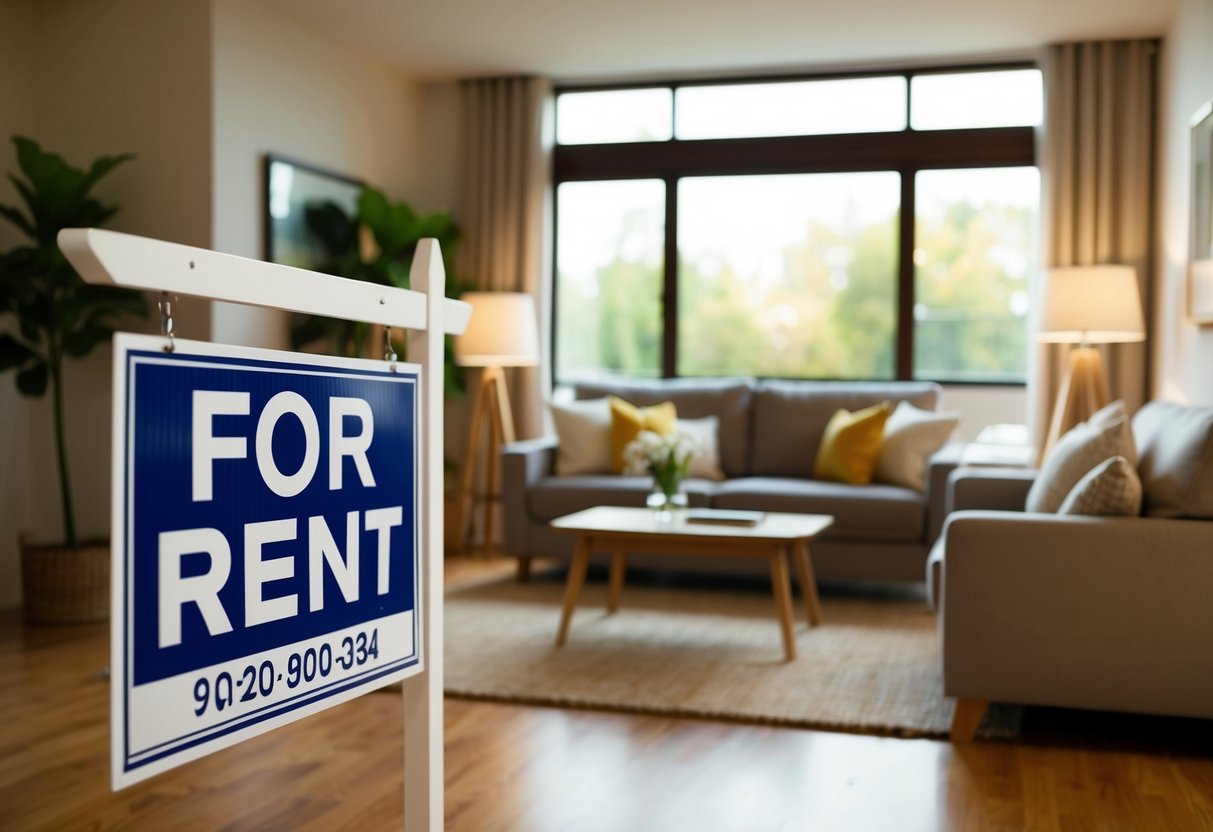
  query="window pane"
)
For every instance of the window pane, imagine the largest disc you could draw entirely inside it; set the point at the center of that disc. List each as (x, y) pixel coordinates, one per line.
(974, 250)
(796, 108)
(792, 276)
(613, 116)
(1008, 98)
(609, 262)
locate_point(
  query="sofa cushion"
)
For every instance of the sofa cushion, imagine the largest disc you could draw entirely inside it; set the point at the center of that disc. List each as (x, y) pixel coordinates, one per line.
(861, 512)
(727, 399)
(911, 436)
(850, 445)
(1079, 449)
(791, 416)
(1175, 459)
(628, 420)
(705, 436)
(554, 497)
(584, 431)
(1110, 489)
(1118, 413)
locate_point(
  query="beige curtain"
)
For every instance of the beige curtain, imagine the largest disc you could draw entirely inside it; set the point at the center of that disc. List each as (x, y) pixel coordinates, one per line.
(1099, 195)
(503, 208)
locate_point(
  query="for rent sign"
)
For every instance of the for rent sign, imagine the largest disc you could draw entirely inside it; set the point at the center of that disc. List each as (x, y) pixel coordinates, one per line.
(265, 542)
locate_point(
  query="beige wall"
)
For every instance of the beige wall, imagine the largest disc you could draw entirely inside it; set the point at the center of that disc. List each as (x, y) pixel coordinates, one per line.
(17, 110)
(1183, 354)
(99, 78)
(281, 87)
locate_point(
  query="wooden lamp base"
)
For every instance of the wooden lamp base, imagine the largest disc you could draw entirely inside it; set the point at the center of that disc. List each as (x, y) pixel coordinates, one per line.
(491, 412)
(1084, 390)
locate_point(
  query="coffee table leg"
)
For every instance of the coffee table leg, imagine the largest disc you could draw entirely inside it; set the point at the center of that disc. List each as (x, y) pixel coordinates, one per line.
(808, 582)
(581, 559)
(619, 565)
(783, 600)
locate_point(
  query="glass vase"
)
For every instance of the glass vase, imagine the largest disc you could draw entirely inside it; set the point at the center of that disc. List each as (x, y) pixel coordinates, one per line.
(667, 499)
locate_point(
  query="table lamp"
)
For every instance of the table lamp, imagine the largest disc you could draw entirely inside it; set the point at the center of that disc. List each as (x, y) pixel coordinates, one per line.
(502, 333)
(1087, 305)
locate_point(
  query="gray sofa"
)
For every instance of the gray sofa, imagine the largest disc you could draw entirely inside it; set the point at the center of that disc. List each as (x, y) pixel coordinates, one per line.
(768, 439)
(1105, 613)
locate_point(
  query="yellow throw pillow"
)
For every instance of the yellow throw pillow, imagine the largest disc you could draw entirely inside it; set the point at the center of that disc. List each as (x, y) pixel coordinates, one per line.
(850, 445)
(628, 420)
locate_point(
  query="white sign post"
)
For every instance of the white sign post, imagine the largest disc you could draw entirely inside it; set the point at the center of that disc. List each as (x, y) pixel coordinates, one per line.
(277, 517)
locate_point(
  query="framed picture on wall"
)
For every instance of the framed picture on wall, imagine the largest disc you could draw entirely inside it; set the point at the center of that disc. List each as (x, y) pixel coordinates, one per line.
(302, 202)
(1200, 258)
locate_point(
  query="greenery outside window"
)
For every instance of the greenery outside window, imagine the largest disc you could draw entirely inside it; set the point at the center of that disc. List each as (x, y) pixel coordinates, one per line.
(874, 226)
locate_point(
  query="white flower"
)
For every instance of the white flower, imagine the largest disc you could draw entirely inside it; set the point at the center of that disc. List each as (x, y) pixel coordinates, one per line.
(650, 453)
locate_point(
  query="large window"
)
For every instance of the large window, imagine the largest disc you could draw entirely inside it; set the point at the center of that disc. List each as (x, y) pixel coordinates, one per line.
(792, 275)
(865, 227)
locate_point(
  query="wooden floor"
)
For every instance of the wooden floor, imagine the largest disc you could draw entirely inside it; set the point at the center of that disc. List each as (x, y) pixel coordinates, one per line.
(535, 769)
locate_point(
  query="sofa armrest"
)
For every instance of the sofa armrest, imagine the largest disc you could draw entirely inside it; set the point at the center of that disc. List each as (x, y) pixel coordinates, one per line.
(1109, 613)
(939, 466)
(996, 489)
(522, 465)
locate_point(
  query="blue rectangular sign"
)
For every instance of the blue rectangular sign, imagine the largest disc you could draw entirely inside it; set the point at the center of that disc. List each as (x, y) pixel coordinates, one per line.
(266, 539)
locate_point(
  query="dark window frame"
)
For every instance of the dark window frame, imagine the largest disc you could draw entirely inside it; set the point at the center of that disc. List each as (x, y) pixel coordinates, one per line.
(906, 152)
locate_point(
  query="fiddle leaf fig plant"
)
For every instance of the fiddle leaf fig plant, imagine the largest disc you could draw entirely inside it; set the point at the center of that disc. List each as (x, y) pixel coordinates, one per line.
(49, 312)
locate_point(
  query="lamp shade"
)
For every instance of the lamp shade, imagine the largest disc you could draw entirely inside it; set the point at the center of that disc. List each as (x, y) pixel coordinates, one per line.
(501, 333)
(1091, 305)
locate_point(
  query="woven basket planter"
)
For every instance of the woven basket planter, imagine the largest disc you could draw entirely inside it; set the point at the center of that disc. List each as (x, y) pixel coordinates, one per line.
(65, 584)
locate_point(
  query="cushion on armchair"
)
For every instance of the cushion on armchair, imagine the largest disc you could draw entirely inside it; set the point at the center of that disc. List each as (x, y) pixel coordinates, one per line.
(1078, 451)
(1175, 445)
(1110, 489)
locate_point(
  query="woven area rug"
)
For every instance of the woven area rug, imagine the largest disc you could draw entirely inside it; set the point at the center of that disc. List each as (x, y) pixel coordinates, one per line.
(872, 666)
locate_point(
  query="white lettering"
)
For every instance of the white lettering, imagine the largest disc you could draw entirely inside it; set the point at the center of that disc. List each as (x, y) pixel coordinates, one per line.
(257, 572)
(176, 591)
(356, 446)
(383, 520)
(277, 407)
(321, 548)
(207, 447)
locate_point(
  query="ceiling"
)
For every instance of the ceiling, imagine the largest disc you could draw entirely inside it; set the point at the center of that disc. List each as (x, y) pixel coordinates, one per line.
(572, 40)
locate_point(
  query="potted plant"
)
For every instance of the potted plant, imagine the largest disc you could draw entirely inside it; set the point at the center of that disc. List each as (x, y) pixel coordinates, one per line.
(395, 229)
(56, 316)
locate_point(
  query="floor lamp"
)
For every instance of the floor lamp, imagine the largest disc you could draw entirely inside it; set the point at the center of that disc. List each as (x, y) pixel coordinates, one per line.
(1087, 305)
(502, 333)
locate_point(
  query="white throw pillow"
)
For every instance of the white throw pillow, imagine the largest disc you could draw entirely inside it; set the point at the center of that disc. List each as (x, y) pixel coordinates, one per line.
(704, 434)
(1078, 451)
(911, 435)
(584, 430)
(1110, 489)
(1118, 412)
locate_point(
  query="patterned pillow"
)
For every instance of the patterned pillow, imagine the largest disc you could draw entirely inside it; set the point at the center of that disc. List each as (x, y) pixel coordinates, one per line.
(1112, 489)
(1078, 451)
(1117, 412)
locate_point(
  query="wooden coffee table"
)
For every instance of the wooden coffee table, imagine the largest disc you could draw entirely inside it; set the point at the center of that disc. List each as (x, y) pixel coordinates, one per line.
(778, 538)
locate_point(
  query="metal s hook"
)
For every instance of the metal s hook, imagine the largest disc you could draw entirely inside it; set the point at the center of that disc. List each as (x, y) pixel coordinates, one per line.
(166, 319)
(389, 354)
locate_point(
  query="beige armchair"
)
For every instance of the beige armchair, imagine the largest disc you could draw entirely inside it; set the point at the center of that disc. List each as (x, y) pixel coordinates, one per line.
(1108, 613)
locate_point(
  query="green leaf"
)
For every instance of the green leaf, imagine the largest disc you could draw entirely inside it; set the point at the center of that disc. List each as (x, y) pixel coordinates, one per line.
(32, 380)
(13, 353)
(310, 329)
(100, 168)
(81, 342)
(18, 219)
(398, 274)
